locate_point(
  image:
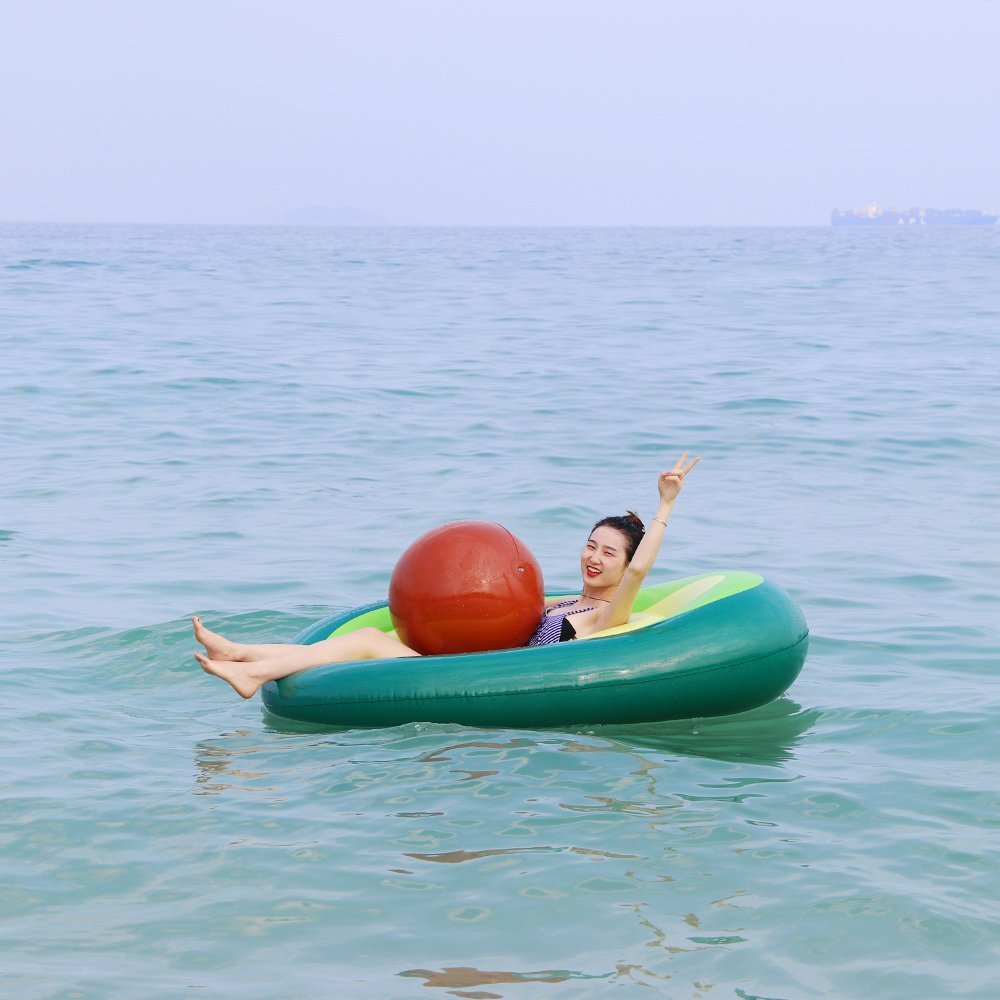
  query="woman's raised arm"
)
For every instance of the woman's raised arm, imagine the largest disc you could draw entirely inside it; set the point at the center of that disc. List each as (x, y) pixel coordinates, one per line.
(669, 485)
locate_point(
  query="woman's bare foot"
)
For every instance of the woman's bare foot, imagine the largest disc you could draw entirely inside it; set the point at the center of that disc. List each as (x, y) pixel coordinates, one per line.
(217, 646)
(235, 674)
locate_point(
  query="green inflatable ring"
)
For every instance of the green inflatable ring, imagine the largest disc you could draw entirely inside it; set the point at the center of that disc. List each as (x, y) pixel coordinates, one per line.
(707, 645)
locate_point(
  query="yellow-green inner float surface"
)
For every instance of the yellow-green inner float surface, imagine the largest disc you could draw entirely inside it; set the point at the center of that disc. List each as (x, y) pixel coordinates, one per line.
(707, 645)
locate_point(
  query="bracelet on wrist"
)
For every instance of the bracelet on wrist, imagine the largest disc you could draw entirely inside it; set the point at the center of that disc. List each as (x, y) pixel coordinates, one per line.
(660, 519)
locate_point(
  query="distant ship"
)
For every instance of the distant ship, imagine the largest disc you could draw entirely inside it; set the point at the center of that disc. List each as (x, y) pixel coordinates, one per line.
(872, 215)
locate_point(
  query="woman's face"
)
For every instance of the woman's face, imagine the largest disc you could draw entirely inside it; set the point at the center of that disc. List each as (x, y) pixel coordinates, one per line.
(602, 561)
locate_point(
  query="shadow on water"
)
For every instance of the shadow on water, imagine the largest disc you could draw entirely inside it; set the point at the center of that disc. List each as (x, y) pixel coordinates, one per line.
(766, 735)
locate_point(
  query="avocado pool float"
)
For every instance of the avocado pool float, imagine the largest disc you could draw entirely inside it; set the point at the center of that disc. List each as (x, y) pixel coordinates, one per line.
(706, 645)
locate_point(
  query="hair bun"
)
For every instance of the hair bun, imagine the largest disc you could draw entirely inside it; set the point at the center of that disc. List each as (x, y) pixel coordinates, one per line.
(633, 518)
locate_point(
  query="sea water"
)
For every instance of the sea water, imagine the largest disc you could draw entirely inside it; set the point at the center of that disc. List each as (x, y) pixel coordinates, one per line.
(252, 423)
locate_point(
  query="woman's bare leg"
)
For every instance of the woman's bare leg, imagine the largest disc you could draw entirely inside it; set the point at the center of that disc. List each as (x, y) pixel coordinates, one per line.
(218, 647)
(272, 662)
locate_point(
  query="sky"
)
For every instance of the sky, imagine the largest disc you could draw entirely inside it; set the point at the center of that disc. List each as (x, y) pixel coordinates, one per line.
(480, 112)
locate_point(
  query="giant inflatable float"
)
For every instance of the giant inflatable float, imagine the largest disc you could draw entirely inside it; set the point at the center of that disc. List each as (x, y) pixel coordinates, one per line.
(708, 645)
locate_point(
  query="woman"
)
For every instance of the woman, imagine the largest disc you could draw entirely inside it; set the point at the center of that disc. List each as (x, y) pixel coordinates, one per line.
(615, 561)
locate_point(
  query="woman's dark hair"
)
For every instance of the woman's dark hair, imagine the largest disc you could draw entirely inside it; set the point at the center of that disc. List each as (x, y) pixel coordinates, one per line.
(630, 525)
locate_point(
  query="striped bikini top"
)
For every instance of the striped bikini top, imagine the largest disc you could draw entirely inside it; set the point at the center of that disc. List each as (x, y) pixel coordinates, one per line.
(556, 628)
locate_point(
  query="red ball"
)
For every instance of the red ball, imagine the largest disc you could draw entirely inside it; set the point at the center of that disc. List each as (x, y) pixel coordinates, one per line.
(466, 587)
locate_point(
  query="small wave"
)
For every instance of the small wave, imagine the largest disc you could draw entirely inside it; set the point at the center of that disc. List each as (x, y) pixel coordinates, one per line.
(761, 403)
(36, 263)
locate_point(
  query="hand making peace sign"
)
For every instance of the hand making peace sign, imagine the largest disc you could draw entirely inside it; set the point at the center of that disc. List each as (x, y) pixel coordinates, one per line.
(670, 483)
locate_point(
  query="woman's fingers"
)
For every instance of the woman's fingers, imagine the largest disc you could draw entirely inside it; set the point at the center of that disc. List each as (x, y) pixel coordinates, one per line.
(680, 469)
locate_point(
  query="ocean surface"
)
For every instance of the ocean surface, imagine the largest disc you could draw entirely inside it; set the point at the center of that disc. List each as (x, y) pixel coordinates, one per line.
(251, 424)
